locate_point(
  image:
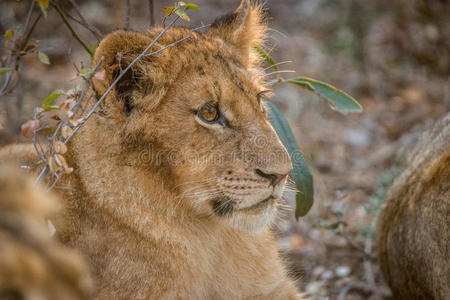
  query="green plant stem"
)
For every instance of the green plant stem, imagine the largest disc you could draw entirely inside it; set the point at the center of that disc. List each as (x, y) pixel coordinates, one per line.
(27, 37)
(75, 35)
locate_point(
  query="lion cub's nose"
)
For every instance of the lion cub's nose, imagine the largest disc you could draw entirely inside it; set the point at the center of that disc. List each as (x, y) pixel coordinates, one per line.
(273, 177)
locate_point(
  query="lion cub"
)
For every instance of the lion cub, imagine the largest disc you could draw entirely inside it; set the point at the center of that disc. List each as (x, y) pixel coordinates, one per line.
(414, 227)
(175, 189)
(32, 265)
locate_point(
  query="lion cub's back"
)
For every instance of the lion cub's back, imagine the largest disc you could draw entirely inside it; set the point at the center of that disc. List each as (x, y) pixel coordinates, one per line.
(18, 154)
(413, 229)
(32, 264)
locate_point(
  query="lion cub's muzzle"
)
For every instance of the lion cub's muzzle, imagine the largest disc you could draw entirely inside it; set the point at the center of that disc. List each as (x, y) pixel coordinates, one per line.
(252, 192)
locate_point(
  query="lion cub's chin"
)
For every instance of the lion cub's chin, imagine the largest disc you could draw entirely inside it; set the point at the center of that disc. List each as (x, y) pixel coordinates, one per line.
(255, 219)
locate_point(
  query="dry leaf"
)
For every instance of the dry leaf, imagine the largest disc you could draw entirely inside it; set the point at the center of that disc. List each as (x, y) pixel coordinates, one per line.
(76, 122)
(66, 131)
(60, 147)
(29, 127)
(68, 170)
(52, 165)
(60, 160)
(100, 75)
(75, 76)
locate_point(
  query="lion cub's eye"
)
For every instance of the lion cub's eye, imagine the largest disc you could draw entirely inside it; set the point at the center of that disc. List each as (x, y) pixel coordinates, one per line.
(209, 112)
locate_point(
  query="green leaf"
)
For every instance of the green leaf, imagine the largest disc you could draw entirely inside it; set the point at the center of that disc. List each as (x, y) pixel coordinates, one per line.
(43, 4)
(86, 72)
(183, 15)
(168, 10)
(9, 34)
(300, 172)
(43, 58)
(92, 48)
(266, 56)
(190, 6)
(51, 107)
(327, 224)
(340, 101)
(49, 100)
(4, 70)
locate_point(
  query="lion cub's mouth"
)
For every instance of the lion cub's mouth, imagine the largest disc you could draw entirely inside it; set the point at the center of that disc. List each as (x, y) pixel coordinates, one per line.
(224, 206)
(258, 206)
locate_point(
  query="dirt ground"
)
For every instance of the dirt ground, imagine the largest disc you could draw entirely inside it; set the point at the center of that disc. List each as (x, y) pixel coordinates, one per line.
(392, 56)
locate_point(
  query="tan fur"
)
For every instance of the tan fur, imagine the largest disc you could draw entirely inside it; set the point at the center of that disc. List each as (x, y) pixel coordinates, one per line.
(413, 229)
(149, 174)
(32, 265)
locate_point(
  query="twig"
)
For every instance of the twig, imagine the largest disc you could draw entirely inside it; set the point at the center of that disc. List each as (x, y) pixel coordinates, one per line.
(354, 245)
(9, 63)
(27, 20)
(58, 177)
(86, 87)
(74, 34)
(41, 156)
(126, 23)
(178, 41)
(83, 22)
(27, 38)
(367, 264)
(151, 13)
(13, 57)
(362, 287)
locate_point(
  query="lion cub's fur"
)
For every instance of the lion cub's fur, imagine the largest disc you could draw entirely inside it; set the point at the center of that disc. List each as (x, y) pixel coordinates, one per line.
(414, 227)
(32, 265)
(165, 205)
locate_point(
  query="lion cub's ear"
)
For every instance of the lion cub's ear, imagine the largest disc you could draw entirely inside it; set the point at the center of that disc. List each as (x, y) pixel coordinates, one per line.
(117, 50)
(242, 29)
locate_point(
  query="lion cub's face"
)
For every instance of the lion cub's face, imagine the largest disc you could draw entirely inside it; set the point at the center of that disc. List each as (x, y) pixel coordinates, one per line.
(226, 157)
(200, 109)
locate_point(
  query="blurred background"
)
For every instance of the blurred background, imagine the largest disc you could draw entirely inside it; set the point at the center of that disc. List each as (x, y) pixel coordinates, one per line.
(392, 56)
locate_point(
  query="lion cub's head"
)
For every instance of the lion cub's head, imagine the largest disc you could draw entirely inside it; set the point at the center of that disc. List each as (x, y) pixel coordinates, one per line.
(194, 115)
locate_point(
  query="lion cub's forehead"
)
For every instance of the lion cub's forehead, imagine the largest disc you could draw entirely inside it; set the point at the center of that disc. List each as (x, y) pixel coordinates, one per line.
(213, 62)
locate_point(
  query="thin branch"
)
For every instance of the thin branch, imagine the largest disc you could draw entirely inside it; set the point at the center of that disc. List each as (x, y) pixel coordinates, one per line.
(86, 87)
(13, 57)
(343, 232)
(178, 41)
(27, 38)
(126, 23)
(9, 60)
(58, 177)
(30, 11)
(41, 156)
(364, 288)
(83, 22)
(74, 34)
(367, 264)
(151, 13)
